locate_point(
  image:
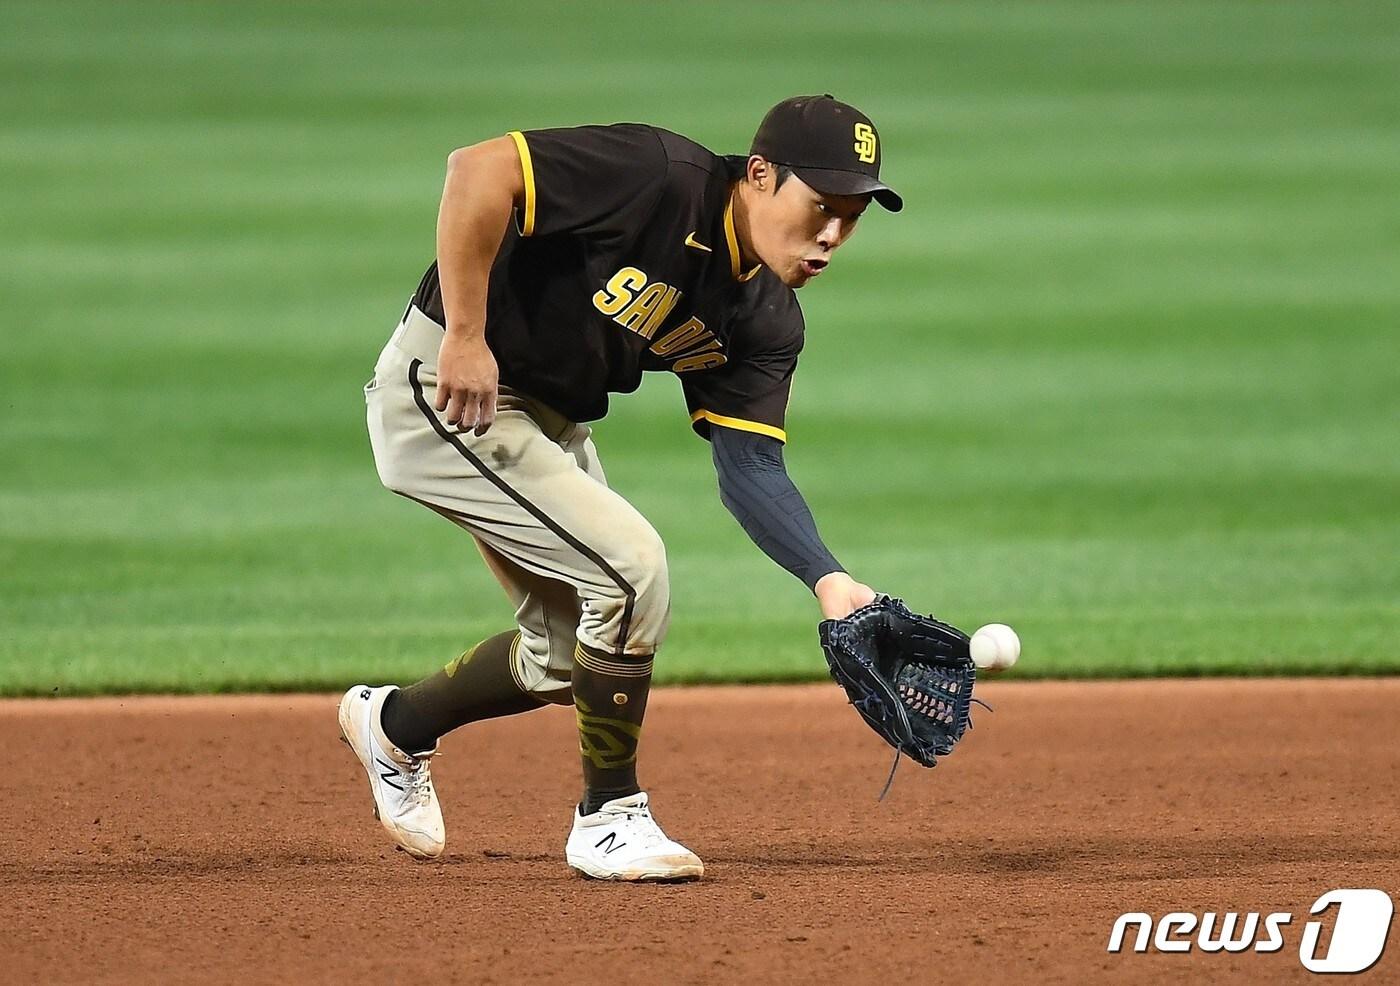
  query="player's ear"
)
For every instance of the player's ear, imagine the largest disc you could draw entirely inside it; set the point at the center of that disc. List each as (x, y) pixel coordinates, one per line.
(760, 173)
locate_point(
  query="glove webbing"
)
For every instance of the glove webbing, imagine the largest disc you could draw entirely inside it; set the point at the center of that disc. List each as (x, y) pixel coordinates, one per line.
(889, 782)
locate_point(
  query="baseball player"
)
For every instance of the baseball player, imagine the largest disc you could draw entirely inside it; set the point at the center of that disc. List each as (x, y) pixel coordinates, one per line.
(569, 262)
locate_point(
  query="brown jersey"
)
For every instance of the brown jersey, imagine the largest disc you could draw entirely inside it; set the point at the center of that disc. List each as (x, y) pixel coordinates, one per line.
(624, 259)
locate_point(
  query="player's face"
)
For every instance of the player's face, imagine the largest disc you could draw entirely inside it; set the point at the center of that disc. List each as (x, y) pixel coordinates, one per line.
(796, 229)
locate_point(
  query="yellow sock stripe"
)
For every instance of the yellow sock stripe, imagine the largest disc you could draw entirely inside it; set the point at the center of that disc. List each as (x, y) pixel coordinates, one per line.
(617, 670)
(622, 726)
(606, 742)
(639, 668)
(613, 670)
(453, 666)
(511, 663)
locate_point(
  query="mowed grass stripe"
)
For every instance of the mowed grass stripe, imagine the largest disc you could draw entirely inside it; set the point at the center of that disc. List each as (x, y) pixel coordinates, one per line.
(1121, 375)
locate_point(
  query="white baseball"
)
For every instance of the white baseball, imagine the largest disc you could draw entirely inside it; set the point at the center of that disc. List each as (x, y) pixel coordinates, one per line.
(995, 647)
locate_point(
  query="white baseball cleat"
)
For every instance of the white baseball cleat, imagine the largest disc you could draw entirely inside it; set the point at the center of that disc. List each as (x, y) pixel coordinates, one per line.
(621, 841)
(402, 784)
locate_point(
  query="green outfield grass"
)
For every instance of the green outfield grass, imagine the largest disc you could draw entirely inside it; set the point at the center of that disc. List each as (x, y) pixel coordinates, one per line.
(1123, 374)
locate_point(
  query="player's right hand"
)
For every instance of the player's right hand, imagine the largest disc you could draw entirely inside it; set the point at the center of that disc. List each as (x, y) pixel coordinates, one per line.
(839, 595)
(467, 383)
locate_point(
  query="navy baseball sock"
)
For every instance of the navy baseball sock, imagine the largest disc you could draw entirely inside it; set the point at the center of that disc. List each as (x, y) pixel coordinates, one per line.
(478, 685)
(610, 698)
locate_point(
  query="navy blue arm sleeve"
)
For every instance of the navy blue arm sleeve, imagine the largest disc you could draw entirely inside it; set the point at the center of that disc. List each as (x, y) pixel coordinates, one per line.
(754, 485)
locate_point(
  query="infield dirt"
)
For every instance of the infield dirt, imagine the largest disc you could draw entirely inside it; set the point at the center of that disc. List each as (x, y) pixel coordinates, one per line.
(231, 840)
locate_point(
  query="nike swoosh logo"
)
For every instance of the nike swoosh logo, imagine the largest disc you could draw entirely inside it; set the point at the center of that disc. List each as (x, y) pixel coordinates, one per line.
(691, 241)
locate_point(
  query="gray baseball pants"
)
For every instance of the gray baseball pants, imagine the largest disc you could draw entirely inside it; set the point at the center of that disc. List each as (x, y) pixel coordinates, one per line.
(577, 560)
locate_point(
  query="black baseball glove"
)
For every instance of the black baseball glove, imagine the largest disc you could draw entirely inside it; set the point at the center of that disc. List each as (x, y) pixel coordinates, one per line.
(909, 676)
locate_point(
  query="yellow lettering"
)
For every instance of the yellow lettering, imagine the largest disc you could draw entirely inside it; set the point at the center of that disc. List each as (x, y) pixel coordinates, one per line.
(641, 310)
(704, 361)
(690, 331)
(662, 310)
(619, 291)
(865, 143)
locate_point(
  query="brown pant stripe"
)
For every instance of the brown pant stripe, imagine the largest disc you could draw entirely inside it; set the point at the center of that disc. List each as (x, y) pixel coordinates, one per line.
(629, 593)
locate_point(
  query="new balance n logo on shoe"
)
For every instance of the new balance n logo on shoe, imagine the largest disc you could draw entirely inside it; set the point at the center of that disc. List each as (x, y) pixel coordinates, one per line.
(609, 841)
(387, 773)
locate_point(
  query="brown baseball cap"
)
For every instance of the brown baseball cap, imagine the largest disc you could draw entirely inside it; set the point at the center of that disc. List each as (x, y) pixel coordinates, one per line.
(830, 145)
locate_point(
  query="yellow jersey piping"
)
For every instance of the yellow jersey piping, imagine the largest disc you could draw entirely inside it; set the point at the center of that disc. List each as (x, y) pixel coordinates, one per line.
(732, 239)
(740, 424)
(527, 168)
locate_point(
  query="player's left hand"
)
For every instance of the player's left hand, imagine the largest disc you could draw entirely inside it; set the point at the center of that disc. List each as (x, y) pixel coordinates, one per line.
(839, 595)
